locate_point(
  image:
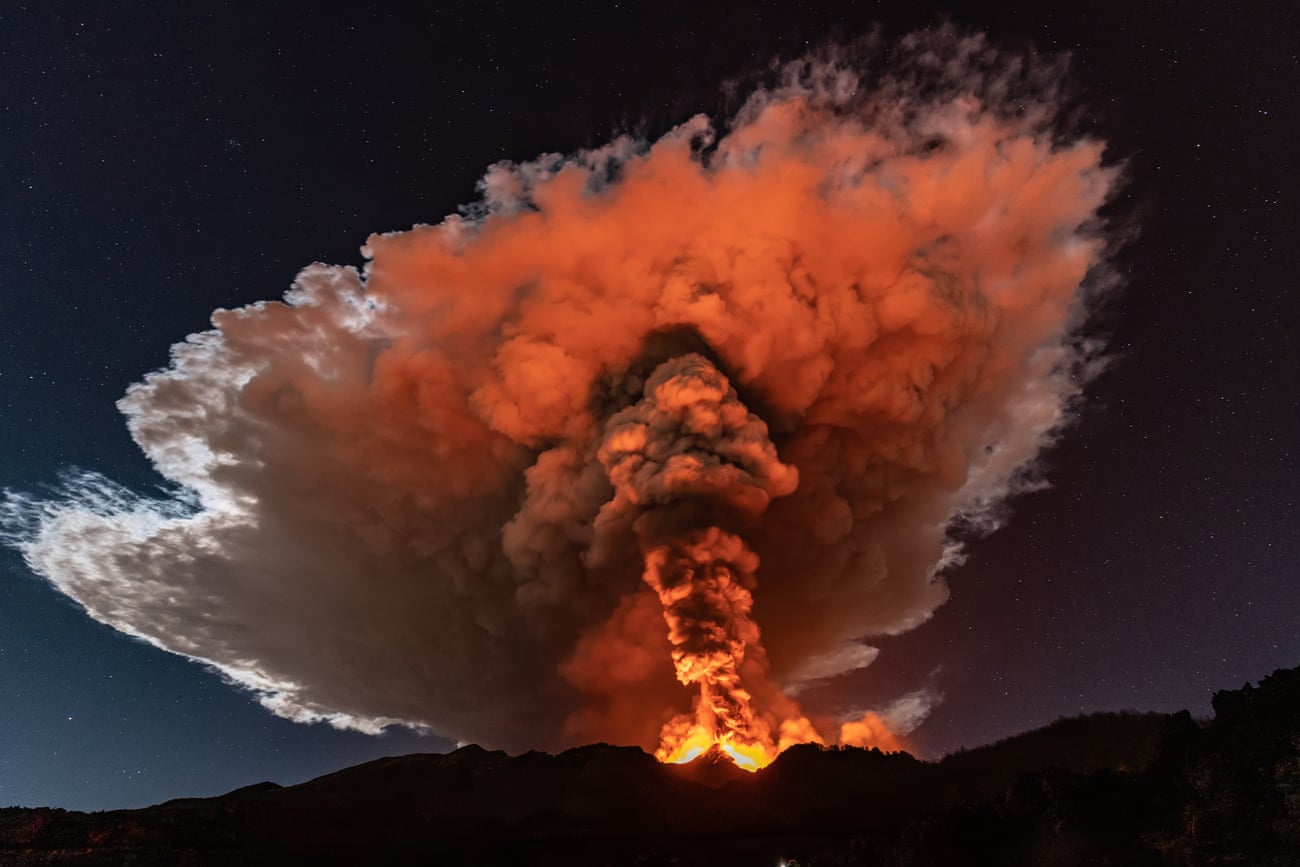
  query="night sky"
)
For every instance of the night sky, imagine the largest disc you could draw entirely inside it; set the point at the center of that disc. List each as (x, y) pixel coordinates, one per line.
(164, 160)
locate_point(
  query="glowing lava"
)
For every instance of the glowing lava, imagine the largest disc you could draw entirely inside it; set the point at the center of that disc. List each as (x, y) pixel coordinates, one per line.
(698, 740)
(703, 582)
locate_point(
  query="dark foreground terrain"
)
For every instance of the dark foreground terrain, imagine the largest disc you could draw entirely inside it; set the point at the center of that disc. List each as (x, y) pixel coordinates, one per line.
(1122, 789)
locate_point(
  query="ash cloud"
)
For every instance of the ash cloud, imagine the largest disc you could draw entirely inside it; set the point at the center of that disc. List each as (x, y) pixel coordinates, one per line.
(394, 504)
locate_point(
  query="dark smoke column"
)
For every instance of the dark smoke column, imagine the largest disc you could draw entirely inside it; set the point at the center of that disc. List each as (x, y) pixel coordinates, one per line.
(684, 460)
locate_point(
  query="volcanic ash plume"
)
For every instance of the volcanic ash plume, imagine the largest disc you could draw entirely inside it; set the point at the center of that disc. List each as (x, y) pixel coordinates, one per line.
(703, 583)
(638, 446)
(691, 453)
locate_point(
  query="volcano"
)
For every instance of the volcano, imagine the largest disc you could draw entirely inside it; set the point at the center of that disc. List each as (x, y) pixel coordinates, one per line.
(1101, 789)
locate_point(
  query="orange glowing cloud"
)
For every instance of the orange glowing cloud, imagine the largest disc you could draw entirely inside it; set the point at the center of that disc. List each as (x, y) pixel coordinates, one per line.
(638, 444)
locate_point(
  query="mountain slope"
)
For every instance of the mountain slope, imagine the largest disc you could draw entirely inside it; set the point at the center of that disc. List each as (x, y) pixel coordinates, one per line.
(1107, 788)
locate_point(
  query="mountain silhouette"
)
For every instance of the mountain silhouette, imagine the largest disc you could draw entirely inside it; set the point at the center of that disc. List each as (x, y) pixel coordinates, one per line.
(1114, 788)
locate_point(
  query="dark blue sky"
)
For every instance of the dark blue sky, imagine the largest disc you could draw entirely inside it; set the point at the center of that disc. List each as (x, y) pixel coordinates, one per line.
(164, 160)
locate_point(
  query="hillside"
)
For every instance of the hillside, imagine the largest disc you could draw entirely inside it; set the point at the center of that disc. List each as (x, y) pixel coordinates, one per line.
(1102, 789)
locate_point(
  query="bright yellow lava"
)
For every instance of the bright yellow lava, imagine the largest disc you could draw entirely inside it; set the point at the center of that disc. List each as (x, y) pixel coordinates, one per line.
(747, 757)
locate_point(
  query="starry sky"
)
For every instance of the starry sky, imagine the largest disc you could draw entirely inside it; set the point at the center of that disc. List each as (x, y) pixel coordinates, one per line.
(164, 160)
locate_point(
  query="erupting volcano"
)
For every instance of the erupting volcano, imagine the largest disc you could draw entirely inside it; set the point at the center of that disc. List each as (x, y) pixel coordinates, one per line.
(691, 448)
(642, 444)
(701, 582)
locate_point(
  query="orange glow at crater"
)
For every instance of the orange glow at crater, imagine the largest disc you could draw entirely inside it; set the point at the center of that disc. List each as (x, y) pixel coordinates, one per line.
(703, 581)
(687, 738)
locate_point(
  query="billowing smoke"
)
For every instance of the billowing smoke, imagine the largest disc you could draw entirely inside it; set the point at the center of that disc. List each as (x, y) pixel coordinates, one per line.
(639, 444)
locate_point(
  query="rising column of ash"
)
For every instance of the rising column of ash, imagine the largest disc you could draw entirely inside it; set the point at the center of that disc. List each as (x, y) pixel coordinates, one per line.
(776, 368)
(689, 459)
